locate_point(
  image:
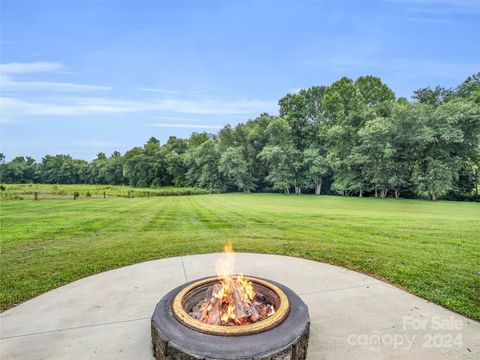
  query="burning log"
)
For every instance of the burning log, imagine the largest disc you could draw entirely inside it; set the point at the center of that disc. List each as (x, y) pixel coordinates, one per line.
(241, 306)
(232, 302)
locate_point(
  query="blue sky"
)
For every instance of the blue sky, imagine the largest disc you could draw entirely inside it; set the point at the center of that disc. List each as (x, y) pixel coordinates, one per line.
(80, 77)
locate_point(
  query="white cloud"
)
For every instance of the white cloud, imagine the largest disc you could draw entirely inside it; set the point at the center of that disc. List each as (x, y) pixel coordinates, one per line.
(8, 84)
(8, 81)
(26, 68)
(187, 126)
(23, 98)
(78, 106)
(70, 107)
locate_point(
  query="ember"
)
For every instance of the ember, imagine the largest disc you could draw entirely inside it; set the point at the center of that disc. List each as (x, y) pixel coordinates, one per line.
(232, 302)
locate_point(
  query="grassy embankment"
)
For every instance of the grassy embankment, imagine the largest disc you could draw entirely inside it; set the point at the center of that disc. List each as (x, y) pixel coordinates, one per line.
(431, 249)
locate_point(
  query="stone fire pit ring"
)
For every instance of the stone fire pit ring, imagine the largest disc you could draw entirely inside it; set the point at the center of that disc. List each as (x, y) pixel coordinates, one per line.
(172, 339)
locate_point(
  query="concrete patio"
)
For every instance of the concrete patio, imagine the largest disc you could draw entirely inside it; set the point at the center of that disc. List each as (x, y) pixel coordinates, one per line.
(353, 316)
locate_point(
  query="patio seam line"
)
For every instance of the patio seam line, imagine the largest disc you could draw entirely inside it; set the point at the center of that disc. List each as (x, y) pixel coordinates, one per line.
(339, 289)
(73, 328)
(183, 267)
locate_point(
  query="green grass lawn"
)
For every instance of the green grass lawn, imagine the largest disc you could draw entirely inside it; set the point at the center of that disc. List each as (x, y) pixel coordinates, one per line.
(432, 249)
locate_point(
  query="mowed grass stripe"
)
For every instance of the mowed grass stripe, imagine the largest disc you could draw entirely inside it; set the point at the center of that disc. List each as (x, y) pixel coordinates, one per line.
(63, 218)
(431, 249)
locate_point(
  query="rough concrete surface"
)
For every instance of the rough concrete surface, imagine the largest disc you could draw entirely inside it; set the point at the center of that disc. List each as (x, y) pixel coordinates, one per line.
(353, 316)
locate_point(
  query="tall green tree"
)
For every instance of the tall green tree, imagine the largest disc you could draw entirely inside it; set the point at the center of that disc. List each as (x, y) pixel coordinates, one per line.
(434, 97)
(235, 167)
(316, 168)
(406, 138)
(348, 107)
(452, 134)
(374, 155)
(470, 88)
(20, 170)
(207, 159)
(146, 166)
(281, 157)
(112, 172)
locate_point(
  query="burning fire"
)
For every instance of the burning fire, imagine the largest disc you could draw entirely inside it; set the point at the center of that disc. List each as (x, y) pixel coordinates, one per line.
(233, 300)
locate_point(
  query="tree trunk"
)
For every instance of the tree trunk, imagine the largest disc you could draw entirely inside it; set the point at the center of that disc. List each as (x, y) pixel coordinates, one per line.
(397, 193)
(376, 193)
(476, 183)
(434, 196)
(318, 187)
(361, 193)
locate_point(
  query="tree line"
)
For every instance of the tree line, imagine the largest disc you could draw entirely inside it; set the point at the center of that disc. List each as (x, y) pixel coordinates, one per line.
(354, 138)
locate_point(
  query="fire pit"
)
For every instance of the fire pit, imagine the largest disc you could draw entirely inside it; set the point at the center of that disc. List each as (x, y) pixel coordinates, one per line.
(230, 316)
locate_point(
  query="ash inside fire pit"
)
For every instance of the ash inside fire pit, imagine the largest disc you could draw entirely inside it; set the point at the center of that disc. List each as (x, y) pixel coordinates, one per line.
(232, 301)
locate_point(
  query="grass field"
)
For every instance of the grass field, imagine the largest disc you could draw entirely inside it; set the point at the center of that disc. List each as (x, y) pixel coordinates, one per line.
(432, 249)
(53, 191)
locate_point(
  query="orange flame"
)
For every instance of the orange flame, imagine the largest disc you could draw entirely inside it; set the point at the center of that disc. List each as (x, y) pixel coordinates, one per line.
(243, 288)
(225, 266)
(233, 300)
